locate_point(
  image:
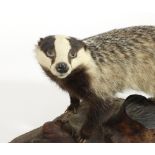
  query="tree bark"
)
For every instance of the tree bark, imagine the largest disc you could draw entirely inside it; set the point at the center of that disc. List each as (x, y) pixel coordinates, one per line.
(121, 127)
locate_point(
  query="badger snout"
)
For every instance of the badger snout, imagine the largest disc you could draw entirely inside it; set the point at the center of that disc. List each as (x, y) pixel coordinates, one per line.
(62, 67)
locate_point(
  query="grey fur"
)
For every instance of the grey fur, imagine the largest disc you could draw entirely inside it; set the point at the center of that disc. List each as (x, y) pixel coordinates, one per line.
(129, 56)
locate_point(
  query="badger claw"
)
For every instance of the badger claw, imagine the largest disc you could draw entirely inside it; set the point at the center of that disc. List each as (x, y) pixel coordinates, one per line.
(81, 140)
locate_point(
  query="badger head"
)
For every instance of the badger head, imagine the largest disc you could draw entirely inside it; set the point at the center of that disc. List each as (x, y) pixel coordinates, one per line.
(61, 55)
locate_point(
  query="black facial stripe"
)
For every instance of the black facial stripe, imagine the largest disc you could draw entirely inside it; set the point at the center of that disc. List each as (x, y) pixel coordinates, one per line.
(47, 44)
(76, 45)
(69, 59)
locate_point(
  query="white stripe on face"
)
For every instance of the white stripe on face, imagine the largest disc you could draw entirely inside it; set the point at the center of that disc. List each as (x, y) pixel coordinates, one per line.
(62, 48)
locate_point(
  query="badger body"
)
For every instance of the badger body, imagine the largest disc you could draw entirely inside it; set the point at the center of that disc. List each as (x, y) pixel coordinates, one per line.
(98, 67)
(125, 58)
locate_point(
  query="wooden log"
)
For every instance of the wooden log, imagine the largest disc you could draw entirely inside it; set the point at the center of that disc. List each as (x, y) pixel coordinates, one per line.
(132, 120)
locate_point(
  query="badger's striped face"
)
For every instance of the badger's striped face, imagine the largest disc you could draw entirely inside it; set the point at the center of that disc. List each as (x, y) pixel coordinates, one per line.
(61, 55)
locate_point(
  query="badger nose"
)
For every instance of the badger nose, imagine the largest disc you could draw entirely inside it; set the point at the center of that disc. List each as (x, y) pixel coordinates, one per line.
(62, 67)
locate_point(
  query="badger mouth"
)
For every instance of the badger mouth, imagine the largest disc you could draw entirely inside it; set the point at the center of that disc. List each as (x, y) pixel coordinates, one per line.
(62, 76)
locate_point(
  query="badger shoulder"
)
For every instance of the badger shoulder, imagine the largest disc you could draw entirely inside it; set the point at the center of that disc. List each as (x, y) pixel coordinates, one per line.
(125, 43)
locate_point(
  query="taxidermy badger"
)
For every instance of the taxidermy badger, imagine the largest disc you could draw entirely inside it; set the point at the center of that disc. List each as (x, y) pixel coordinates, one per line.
(96, 68)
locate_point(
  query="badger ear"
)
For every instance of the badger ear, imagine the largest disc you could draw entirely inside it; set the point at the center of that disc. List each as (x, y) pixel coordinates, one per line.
(84, 45)
(40, 41)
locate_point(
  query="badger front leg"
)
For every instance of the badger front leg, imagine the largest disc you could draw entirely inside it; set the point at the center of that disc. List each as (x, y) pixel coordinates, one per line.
(99, 112)
(74, 104)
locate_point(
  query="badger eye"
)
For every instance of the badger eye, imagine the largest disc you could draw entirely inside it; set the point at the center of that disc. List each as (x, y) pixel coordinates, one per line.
(72, 54)
(50, 53)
